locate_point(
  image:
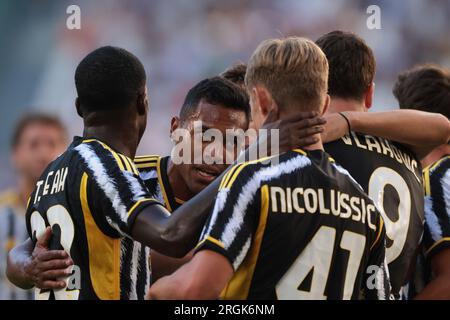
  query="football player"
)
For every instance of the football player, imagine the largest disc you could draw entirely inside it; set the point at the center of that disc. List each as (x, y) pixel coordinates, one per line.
(94, 200)
(299, 229)
(427, 88)
(389, 172)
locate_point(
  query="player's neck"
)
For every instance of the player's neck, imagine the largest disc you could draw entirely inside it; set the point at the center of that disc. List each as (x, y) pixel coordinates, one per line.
(120, 140)
(435, 155)
(341, 105)
(316, 146)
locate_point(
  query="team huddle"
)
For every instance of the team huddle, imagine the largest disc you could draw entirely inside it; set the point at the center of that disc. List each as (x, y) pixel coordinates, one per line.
(355, 205)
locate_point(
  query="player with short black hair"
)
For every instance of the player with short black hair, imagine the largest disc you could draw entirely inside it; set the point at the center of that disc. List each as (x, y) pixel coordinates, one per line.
(109, 78)
(92, 196)
(427, 88)
(92, 204)
(215, 91)
(286, 230)
(236, 74)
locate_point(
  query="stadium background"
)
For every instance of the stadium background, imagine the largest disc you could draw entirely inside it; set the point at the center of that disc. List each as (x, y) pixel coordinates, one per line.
(182, 41)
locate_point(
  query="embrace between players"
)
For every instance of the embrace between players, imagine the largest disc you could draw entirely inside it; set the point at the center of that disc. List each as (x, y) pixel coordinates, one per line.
(342, 224)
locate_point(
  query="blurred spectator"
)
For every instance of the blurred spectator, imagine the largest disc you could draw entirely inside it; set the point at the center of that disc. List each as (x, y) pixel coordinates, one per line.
(38, 139)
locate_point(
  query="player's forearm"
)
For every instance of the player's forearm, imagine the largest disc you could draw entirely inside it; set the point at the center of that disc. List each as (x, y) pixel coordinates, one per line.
(18, 259)
(437, 289)
(421, 131)
(176, 234)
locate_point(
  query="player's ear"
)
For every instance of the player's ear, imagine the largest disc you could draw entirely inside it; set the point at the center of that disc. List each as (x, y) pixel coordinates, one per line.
(265, 102)
(78, 106)
(142, 102)
(174, 124)
(369, 95)
(326, 104)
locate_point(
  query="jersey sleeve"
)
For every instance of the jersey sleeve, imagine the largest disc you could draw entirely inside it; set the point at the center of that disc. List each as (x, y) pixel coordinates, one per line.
(113, 187)
(437, 208)
(376, 281)
(230, 228)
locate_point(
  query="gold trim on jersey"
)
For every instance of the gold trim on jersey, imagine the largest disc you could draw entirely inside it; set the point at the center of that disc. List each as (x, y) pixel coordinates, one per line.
(237, 169)
(161, 185)
(124, 163)
(104, 253)
(138, 203)
(300, 151)
(210, 239)
(379, 233)
(142, 162)
(239, 285)
(179, 201)
(445, 239)
(426, 174)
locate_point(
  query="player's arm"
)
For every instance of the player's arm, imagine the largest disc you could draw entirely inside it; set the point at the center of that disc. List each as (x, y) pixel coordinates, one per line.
(203, 278)
(439, 287)
(177, 235)
(30, 265)
(163, 265)
(420, 131)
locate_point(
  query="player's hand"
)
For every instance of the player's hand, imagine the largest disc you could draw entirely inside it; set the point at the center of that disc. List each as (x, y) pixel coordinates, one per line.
(47, 267)
(296, 131)
(335, 128)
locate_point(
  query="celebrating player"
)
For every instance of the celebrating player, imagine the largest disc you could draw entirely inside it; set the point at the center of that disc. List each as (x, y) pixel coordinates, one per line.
(389, 172)
(297, 230)
(94, 199)
(427, 88)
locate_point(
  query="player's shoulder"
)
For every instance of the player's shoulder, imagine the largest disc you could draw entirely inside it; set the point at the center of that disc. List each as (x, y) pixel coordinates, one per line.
(98, 155)
(442, 165)
(147, 162)
(148, 166)
(8, 197)
(265, 169)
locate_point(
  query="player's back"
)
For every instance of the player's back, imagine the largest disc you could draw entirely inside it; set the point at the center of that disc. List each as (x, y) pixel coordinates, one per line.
(308, 231)
(87, 196)
(391, 176)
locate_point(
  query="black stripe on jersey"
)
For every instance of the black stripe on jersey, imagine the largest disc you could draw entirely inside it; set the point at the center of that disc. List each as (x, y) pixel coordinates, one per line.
(143, 270)
(125, 269)
(437, 194)
(125, 192)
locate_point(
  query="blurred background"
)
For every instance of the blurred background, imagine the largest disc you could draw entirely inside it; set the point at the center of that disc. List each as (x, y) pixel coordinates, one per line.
(181, 41)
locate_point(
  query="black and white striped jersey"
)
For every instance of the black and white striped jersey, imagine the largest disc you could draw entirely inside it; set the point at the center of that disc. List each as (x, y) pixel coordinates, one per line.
(90, 196)
(436, 236)
(392, 176)
(153, 170)
(298, 229)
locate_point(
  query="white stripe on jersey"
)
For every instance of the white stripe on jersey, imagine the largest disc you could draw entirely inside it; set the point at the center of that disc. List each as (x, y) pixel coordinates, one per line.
(134, 269)
(445, 183)
(237, 262)
(136, 188)
(250, 189)
(432, 220)
(147, 175)
(105, 182)
(218, 207)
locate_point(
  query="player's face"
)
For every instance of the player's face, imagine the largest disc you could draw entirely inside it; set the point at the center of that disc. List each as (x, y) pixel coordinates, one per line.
(38, 146)
(198, 176)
